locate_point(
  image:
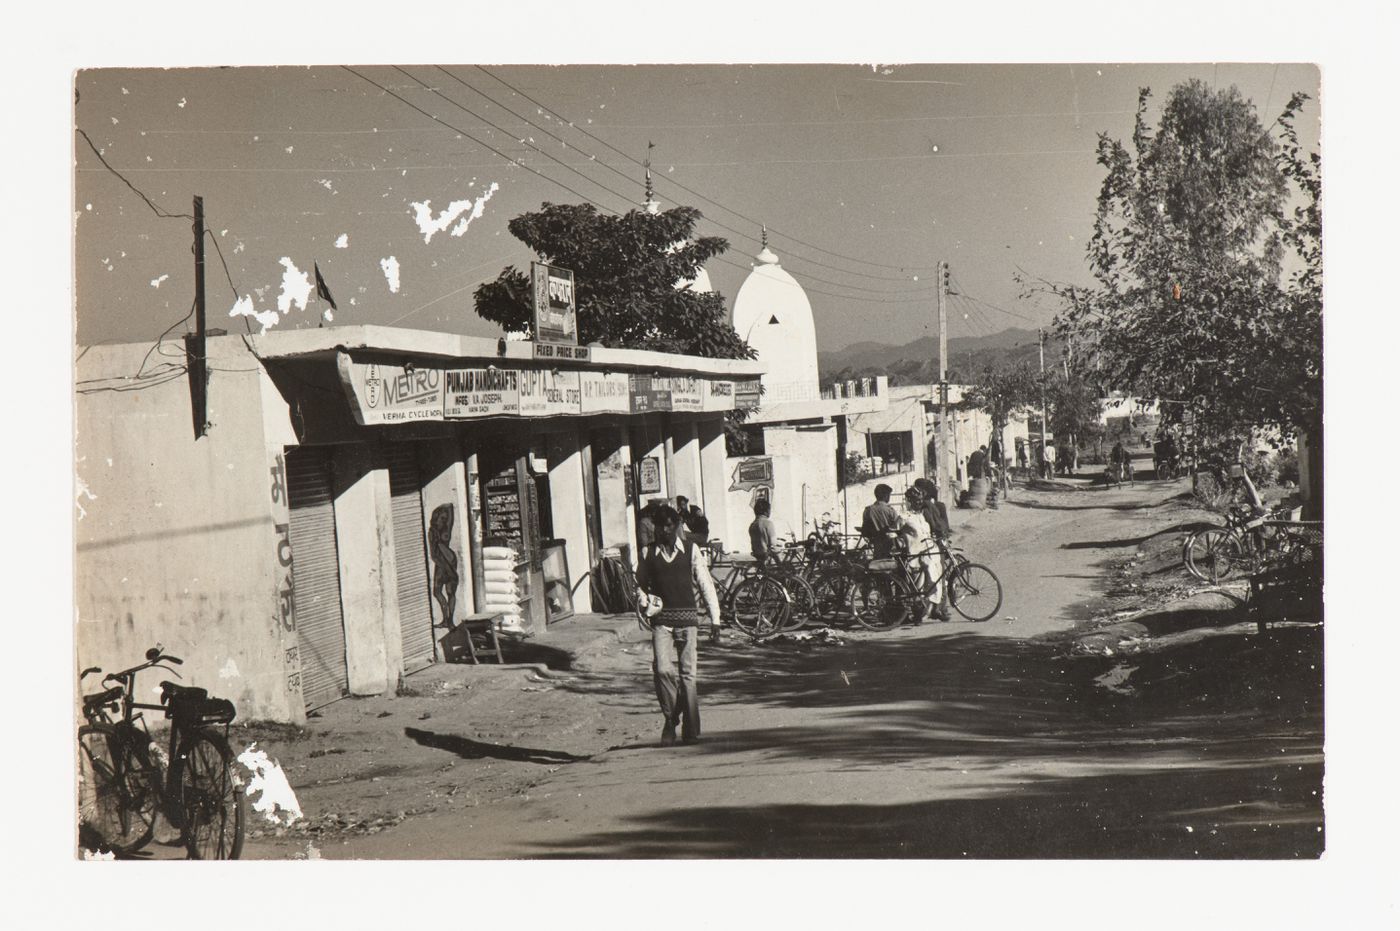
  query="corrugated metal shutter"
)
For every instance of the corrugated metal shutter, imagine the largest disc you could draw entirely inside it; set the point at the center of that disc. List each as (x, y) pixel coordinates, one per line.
(316, 578)
(410, 557)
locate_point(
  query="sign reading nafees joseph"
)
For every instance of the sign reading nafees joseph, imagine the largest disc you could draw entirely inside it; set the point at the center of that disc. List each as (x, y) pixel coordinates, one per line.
(382, 393)
(481, 392)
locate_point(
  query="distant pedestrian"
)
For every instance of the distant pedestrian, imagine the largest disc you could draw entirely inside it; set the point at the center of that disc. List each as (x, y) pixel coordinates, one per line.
(1047, 468)
(697, 526)
(977, 463)
(880, 522)
(668, 576)
(1021, 456)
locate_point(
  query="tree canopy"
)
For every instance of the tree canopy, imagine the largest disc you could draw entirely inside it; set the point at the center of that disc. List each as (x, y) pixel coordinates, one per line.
(625, 273)
(1000, 392)
(1208, 286)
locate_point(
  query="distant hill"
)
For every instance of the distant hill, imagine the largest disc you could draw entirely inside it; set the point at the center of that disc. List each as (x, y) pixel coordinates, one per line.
(917, 362)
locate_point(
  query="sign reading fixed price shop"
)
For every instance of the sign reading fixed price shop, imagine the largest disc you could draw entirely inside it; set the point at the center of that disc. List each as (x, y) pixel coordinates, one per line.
(553, 297)
(549, 394)
(380, 393)
(486, 392)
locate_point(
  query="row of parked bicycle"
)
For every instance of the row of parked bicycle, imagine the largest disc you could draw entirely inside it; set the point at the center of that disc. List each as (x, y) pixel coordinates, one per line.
(1251, 538)
(832, 579)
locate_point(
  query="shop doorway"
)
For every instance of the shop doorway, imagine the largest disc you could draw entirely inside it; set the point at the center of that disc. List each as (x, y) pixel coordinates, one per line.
(510, 509)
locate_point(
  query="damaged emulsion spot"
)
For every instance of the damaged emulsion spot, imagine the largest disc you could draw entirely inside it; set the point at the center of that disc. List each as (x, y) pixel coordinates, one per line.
(391, 273)
(462, 212)
(268, 788)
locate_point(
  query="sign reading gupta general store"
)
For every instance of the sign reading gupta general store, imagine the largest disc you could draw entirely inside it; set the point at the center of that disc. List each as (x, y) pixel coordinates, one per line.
(485, 392)
(549, 394)
(381, 393)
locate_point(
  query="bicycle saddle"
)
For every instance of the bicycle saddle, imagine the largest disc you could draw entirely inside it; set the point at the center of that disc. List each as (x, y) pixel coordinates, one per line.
(102, 698)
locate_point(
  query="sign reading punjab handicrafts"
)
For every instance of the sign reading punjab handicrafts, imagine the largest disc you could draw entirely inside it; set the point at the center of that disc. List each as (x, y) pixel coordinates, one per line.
(381, 393)
(483, 392)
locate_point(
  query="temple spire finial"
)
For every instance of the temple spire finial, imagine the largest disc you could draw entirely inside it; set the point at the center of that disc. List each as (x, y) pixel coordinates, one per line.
(651, 204)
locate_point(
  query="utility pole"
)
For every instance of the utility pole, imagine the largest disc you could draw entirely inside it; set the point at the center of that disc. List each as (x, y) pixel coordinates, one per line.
(199, 371)
(944, 473)
(1044, 417)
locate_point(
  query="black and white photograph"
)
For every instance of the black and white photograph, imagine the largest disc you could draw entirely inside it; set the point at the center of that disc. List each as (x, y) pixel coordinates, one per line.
(756, 461)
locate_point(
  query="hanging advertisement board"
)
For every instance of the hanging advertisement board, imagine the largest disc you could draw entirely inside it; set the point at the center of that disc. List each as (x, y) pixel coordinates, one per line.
(747, 394)
(553, 297)
(485, 392)
(380, 393)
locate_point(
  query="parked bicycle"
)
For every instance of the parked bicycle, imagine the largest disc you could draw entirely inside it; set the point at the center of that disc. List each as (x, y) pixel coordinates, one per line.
(892, 590)
(753, 600)
(124, 786)
(1248, 538)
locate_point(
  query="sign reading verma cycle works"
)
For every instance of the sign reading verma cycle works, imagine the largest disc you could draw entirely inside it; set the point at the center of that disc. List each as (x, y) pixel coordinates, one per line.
(382, 393)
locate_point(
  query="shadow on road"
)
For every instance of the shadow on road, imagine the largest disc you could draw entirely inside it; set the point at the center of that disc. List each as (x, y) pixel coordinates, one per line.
(469, 749)
(1196, 813)
(1188, 527)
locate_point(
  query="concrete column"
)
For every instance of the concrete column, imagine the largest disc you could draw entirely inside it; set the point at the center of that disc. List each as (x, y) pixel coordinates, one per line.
(616, 515)
(570, 512)
(714, 477)
(364, 533)
(445, 486)
(685, 461)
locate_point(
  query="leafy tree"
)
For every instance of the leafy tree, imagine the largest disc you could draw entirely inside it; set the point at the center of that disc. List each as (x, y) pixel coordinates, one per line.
(1075, 404)
(625, 273)
(1000, 392)
(1192, 239)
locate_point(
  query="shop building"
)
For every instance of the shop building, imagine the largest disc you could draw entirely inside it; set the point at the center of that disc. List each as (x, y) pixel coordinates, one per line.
(328, 526)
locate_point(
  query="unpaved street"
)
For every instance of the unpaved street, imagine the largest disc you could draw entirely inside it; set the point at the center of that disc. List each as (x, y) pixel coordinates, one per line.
(945, 740)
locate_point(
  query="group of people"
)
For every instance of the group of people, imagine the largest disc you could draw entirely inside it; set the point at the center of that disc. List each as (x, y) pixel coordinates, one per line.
(922, 524)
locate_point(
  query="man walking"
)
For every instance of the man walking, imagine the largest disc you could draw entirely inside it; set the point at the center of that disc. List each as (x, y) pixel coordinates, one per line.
(668, 574)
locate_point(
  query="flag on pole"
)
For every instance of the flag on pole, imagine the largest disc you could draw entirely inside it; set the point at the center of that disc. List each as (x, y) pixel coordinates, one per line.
(323, 292)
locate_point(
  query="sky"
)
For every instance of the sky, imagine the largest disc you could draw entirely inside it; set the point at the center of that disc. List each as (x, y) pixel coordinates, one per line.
(398, 183)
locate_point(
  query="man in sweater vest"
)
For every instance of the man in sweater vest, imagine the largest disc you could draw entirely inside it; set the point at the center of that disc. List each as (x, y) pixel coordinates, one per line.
(668, 574)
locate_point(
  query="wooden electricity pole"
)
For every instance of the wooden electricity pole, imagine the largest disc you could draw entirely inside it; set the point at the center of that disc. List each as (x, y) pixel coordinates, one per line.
(944, 472)
(199, 370)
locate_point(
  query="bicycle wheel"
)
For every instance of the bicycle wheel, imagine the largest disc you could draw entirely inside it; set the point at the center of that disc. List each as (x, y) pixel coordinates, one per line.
(879, 602)
(804, 601)
(118, 789)
(212, 800)
(832, 598)
(760, 606)
(1212, 554)
(974, 591)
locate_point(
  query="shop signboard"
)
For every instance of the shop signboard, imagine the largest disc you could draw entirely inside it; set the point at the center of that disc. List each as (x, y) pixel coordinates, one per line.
(718, 395)
(646, 396)
(484, 392)
(649, 476)
(752, 473)
(604, 393)
(747, 394)
(383, 393)
(553, 293)
(545, 393)
(687, 392)
(554, 352)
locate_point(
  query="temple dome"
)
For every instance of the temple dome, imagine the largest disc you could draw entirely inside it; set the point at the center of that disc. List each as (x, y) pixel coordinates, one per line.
(772, 314)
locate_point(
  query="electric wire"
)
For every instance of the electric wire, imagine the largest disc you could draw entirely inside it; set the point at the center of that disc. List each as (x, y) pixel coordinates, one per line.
(691, 191)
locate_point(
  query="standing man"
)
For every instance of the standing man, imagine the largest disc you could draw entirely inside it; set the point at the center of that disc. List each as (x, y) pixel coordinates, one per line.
(935, 514)
(668, 575)
(977, 463)
(880, 521)
(1048, 460)
(763, 533)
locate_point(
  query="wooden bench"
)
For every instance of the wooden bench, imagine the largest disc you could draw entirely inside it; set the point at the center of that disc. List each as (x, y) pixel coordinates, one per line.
(473, 636)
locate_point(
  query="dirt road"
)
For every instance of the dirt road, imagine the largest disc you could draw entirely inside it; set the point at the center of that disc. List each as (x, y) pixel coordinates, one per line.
(944, 740)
